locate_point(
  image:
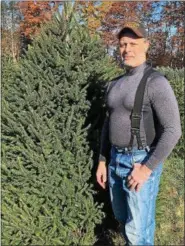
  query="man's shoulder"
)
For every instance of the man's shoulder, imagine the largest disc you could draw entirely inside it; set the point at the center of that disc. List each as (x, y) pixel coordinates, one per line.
(158, 82)
(155, 73)
(157, 77)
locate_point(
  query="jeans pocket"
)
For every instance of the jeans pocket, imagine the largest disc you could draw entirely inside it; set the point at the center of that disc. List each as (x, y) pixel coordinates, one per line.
(140, 157)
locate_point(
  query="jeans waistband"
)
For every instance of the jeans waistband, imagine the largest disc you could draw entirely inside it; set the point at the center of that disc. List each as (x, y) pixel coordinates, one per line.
(126, 150)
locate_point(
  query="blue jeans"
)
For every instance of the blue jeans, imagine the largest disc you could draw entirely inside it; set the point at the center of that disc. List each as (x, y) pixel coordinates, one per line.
(134, 210)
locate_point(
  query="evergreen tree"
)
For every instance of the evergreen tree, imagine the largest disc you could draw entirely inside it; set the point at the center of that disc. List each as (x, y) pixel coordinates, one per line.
(47, 198)
(176, 79)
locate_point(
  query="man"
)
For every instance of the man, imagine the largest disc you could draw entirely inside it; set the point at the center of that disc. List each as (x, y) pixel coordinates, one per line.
(134, 175)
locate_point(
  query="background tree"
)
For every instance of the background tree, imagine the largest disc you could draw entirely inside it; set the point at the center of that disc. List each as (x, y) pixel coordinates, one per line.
(167, 28)
(34, 14)
(21, 20)
(93, 12)
(10, 41)
(164, 22)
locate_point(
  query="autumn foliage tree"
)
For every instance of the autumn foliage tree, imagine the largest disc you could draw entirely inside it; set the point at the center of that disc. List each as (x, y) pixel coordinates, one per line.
(21, 22)
(164, 23)
(173, 14)
(34, 14)
(163, 20)
(93, 12)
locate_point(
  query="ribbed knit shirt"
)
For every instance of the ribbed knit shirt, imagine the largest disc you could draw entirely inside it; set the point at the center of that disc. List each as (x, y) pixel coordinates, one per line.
(162, 131)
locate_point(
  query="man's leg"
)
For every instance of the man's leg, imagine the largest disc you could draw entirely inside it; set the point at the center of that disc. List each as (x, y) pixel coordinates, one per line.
(151, 231)
(140, 226)
(134, 210)
(118, 198)
(118, 195)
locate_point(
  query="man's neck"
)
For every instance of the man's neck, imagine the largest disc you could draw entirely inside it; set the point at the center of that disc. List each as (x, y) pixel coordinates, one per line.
(132, 70)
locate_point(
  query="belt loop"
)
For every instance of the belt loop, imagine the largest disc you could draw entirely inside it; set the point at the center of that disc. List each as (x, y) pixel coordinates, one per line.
(129, 148)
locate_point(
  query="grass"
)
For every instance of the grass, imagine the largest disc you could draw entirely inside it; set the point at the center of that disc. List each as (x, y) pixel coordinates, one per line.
(170, 205)
(169, 210)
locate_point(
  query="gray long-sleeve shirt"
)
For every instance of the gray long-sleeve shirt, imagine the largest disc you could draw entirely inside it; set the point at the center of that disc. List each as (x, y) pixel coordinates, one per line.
(162, 131)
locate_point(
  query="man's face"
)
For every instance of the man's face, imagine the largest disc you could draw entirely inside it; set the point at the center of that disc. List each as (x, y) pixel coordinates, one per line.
(133, 49)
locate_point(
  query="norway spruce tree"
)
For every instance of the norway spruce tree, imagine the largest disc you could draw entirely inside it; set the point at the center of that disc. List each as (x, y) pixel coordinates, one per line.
(47, 198)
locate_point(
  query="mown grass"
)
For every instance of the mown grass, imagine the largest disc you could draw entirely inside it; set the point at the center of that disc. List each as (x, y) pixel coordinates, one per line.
(169, 208)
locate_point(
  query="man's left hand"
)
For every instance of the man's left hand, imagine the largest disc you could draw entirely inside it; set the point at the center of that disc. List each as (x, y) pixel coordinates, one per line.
(138, 176)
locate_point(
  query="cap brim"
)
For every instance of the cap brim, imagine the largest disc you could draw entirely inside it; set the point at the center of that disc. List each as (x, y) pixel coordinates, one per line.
(136, 31)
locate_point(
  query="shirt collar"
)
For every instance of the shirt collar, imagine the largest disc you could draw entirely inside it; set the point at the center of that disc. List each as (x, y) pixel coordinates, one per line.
(138, 69)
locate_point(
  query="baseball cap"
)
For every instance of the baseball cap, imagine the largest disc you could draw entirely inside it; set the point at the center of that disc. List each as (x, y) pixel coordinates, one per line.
(135, 27)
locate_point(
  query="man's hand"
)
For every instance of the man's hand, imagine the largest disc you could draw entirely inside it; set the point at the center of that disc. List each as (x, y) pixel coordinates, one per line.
(138, 176)
(101, 174)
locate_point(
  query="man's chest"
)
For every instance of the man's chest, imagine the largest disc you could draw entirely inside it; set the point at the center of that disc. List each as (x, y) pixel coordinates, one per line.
(122, 95)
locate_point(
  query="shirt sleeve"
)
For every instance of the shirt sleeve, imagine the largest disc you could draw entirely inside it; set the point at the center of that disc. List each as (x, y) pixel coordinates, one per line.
(105, 145)
(164, 103)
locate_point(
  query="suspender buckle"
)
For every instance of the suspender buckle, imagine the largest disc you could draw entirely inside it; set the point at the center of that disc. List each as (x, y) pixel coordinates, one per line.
(136, 116)
(135, 131)
(136, 120)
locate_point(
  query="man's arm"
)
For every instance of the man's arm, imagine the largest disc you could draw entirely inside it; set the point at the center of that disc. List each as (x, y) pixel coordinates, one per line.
(165, 105)
(104, 142)
(164, 102)
(101, 173)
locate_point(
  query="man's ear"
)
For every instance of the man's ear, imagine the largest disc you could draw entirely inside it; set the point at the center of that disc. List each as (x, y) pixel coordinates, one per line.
(147, 44)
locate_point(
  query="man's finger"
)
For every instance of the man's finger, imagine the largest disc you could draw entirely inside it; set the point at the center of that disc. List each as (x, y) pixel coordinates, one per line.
(130, 182)
(132, 187)
(104, 178)
(137, 165)
(101, 180)
(129, 177)
(138, 187)
(103, 184)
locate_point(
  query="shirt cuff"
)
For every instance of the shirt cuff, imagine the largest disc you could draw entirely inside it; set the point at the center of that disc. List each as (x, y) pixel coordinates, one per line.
(102, 158)
(152, 163)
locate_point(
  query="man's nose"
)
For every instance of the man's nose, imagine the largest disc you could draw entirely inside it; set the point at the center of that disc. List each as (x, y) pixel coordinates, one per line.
(127, 48)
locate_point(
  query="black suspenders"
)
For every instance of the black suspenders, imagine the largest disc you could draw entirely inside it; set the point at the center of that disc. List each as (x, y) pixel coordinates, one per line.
(136, 112)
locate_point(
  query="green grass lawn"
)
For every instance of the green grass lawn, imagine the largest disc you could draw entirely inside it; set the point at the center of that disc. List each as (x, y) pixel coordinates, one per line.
(169, 211)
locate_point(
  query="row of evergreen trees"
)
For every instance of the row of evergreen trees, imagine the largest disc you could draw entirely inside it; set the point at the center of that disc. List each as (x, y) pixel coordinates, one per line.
(52, 114)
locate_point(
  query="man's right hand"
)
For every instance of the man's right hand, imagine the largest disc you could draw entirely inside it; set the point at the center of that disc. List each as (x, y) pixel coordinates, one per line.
(101, 174)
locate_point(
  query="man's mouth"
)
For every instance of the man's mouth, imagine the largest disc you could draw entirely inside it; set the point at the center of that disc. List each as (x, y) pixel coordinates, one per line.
(127, 57)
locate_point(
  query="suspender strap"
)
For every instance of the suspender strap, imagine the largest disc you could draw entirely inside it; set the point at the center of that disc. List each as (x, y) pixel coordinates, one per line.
(136, 112)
